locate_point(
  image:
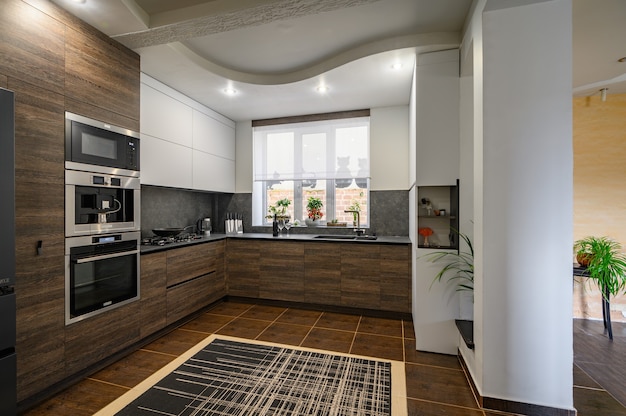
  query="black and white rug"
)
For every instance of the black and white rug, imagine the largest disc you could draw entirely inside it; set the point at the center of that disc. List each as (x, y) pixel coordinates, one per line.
(231, 376)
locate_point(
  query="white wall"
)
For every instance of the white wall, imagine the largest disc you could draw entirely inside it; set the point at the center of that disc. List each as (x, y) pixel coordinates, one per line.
(523, 163)
(389, 145)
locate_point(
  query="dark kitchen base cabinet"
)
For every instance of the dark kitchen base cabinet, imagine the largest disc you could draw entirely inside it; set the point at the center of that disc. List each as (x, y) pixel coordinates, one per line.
(366, 276)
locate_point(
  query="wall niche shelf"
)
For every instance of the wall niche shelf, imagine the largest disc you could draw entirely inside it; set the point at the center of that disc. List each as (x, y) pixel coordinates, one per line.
(441, 197)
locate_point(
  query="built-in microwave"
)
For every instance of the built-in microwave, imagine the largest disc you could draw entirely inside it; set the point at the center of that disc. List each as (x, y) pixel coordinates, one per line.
(95, 146)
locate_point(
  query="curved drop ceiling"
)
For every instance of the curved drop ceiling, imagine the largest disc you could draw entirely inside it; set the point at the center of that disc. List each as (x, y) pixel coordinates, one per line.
(275, 53)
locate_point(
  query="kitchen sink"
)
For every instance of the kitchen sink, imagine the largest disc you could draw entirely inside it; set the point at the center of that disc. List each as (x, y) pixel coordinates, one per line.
(346, 237)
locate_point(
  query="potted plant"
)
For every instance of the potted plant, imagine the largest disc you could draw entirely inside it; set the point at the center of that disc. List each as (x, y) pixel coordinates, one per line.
(458, 266)
(356, 206)
(314, 211)
(606, 265)
(279, 209)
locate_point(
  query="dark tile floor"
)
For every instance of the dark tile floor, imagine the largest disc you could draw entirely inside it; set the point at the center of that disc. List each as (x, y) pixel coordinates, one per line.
(436, 384)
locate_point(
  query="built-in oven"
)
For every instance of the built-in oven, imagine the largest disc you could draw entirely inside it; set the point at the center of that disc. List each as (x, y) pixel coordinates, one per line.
(101, 273)
(93, 145)
(97, 203)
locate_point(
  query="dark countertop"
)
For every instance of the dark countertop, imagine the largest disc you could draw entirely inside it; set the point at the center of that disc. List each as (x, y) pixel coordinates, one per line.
(145, 249)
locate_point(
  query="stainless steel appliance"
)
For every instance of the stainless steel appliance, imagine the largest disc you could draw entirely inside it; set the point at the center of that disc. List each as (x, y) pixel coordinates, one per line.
(203, 226)
(97, 203)
(91, 144)
(101, 273)
(8, 360)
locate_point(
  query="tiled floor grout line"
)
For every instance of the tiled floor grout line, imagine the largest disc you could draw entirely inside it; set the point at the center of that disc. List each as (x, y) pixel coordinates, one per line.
(109, 383)
(354, 336)
(270, 323)
(311, 329)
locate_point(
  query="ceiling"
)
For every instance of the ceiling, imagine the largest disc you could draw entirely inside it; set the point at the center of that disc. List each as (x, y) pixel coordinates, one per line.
(276, 53)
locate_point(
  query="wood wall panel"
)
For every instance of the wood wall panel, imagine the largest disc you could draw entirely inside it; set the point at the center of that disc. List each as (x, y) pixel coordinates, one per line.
(243, 267)
(33, 64)
(32, 46)
(189, 262)
(101, 114)
(101, 73)
(322, 273)
(153, 283)
(282, 271)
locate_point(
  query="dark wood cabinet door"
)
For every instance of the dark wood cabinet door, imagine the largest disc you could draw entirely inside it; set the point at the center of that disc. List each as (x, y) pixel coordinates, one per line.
(395, 278)
(189, 262)
(360, 275)
(190, 296)
(322, 273)
(282, 271)
(153, 290)
(243, 267)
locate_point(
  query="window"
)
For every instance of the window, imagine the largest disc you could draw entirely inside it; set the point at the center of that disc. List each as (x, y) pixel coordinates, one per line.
(328, 159)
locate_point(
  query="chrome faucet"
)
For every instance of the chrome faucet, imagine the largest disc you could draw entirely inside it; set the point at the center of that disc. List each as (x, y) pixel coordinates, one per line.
(358, 229)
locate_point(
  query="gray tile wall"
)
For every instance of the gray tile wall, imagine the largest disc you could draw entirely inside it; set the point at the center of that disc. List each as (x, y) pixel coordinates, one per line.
(165, 207)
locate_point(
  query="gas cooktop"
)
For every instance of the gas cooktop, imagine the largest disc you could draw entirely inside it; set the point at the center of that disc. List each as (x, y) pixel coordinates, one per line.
(161, 241)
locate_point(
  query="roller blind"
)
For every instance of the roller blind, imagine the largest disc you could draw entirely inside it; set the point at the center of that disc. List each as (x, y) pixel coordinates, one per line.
(329, 149)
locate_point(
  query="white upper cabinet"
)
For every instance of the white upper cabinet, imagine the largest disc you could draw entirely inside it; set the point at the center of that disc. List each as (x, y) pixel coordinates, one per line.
(165, 117)
(165, 163)
(437, 130)
(184, 144)
(213, 136)
(213, 173)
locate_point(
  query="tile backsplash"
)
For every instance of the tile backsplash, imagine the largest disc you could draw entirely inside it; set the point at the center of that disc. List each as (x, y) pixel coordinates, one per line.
(168, 207)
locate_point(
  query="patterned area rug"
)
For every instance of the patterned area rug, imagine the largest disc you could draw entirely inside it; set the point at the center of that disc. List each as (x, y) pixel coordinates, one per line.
(231, 376)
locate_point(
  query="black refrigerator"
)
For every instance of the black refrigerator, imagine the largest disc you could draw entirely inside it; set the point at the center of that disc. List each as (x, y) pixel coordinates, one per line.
(8, 363)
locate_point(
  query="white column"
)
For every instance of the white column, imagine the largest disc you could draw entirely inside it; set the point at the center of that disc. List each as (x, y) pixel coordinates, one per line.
(524, 305)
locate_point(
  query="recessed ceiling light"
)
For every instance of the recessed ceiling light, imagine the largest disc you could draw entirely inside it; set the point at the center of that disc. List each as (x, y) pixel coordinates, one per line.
(230, 91)
(397, 65)
(322, 89)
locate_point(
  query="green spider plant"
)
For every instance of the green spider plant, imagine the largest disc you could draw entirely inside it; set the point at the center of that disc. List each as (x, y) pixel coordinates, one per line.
(458, 266)
(607, 264)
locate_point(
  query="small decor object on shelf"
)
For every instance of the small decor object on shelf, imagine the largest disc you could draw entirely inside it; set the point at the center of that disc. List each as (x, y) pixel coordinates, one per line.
(427, 206)
(314, 211)
(425, 232)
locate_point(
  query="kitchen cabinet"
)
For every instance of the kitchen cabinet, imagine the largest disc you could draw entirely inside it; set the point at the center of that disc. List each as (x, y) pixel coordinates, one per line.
(165, 164)
(281, 271)
(322, 273)
(369, 276)
(443, 226)
(153, 285)
(437, 115)
(165, 117)
(214, 136)
(192, 279)
(212, 173)
(184, 144)
(243, 262)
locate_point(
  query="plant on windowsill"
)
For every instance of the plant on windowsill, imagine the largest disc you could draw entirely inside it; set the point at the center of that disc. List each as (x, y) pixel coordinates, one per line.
(314, 211)
(606, 265)
(279, 210)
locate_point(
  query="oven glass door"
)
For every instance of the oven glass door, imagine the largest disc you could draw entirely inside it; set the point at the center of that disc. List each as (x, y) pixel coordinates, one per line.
(102, 276)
